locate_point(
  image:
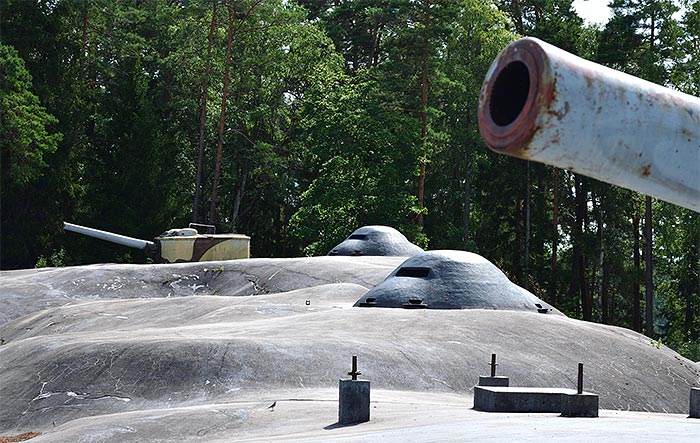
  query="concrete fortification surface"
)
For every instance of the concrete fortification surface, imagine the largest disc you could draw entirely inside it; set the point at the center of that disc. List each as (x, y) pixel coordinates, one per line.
(253, 349)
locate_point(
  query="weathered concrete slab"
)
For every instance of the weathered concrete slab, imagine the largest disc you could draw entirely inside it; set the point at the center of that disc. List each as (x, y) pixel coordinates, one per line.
(26, 291)
(579, 405)
(130, 349)
(518, 399)
(308, 415)
(498, 380)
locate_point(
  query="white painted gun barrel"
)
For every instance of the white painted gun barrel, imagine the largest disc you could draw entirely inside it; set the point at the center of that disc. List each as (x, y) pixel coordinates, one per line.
(541, 103)
(111, 237)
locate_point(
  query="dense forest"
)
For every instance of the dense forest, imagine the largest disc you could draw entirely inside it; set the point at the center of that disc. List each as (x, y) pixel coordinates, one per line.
(298, 122)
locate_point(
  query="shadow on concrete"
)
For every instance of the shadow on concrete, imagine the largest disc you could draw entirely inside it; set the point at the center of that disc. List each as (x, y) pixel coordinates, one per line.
(338, 425)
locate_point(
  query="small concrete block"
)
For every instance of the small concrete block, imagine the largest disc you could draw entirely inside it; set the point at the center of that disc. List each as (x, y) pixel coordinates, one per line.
(493, 381)
(353, 402)
(579, 405)
(518, 399)
(694, 402)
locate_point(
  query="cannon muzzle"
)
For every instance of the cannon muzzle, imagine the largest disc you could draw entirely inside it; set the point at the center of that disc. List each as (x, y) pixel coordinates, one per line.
(541, 103)
(123, 240)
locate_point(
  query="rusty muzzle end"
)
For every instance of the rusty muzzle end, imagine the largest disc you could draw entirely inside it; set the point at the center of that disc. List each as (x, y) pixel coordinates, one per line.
(516, 90)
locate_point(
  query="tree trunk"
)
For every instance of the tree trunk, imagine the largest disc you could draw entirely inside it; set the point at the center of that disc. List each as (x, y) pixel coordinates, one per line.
(608, 304)
(689, 285)
(648, 283)
(424, 117)
(202, 120)
(586, 292)
(467, 198)
(526, 258)
(689, 313)
(222, 117)
(591, 291)
(574, 290)
(636, 302)
(83, 41)
(239, 197)
(374, 52)
(77, 118)
(518, 12)
(518, 246)
(602, 302)
(578, 284)
(555, 237)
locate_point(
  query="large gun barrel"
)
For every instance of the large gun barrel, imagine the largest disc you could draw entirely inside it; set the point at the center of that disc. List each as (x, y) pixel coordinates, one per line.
(541, 103)
(110, 237)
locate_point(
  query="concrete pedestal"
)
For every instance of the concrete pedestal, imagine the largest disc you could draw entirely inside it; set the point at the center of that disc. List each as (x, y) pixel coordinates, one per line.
(518, 399)
(493, 381)
(694, 402)
(579, 405)
(353, 402)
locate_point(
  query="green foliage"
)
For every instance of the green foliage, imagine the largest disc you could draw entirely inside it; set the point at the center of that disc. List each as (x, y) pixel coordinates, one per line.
(56, 259)
(363, 156)
(27, 140)
(685, 71)
(641, 38)
(24, 134)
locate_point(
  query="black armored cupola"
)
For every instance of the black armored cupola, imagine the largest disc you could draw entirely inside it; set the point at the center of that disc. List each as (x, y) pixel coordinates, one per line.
(451, 280)
(376, 240)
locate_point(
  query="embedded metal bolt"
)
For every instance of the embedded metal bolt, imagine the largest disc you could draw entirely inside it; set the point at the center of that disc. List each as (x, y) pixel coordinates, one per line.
(580, 378)
(493, 365)
(354, 373)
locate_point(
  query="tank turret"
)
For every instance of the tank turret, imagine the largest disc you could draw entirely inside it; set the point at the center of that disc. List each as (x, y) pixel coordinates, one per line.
(178, 245)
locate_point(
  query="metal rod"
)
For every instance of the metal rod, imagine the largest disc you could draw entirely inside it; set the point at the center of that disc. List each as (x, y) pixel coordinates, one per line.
(580, 379)
(493, 365)
(110, 237)
(354, 373)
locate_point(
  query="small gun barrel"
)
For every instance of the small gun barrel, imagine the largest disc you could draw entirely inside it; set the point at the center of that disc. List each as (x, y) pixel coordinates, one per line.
(541, 103)
(110, 237)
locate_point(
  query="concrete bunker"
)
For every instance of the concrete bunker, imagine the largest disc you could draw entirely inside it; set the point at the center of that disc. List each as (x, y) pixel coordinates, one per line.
(376, 240)
(451, 280)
